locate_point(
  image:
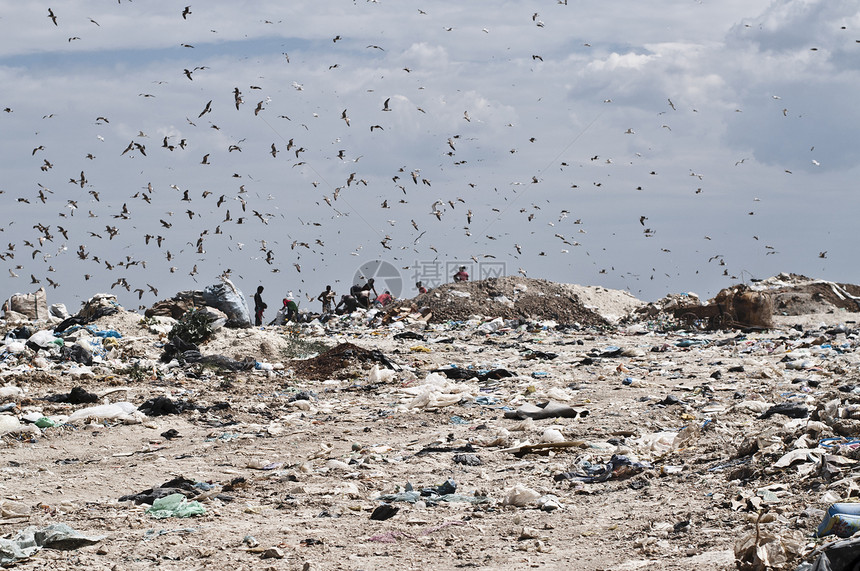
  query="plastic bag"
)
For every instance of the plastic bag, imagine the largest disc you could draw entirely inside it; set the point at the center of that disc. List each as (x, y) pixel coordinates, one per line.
(44, 338)
(9, 423)
(520, 496)
(175, 505)
(841, 519)
(229, 299)
(124, 411)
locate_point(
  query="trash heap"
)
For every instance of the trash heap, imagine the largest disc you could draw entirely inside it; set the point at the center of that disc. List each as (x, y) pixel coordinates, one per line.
(377, 438)
(506, 298)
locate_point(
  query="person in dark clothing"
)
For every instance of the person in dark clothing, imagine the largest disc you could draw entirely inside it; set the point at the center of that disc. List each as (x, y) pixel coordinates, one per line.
(259, 306)
(363, 296)
(349, 304)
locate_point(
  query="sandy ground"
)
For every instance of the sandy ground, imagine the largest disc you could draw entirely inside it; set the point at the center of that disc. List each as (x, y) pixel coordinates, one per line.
(299, 479)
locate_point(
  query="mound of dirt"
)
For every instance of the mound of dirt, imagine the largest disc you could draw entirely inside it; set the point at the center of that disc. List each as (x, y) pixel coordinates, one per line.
(339, 362)
(794, 294)
(507, 297)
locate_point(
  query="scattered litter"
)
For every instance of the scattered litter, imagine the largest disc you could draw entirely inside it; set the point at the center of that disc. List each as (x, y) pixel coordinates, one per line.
(175, 505)
(31, 540)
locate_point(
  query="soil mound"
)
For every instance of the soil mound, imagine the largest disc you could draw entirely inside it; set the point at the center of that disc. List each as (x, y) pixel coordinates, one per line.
(794, 294)
(339, 362)
(507, 297)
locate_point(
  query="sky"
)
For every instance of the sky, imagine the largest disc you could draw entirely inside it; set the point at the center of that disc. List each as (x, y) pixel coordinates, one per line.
(662, 147)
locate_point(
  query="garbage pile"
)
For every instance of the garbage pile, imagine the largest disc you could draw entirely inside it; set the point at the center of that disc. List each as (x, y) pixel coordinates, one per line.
(377, 437)
(794, 294)
(506, 298)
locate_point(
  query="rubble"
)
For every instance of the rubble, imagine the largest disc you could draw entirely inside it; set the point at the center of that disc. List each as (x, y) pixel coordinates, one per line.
(467, 440)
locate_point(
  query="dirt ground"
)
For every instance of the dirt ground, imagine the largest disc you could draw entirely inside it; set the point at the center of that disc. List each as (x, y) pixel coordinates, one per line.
(296, 466)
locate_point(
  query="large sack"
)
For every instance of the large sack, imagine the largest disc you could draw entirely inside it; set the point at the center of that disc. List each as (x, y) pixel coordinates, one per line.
(99, 305)
(33, 305)
(178, 305)
(748, 308)
(229, 299)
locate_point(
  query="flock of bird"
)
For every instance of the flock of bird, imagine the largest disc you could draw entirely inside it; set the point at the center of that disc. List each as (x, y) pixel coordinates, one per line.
(174, 224)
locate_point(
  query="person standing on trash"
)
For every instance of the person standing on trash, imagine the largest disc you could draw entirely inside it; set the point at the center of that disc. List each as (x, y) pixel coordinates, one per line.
(462, 275)
(259, 306)
(291, 310)
(368, 287)
(326, 297)
(420, 287)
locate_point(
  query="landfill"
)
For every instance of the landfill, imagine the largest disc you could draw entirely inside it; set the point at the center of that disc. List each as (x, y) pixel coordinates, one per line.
(515, 424)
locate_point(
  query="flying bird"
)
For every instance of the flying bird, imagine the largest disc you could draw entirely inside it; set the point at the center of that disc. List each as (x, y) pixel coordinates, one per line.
(52, 17)
(186, 12)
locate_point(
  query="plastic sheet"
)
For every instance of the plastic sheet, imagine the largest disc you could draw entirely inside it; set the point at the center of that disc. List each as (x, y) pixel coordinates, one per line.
(229, 299)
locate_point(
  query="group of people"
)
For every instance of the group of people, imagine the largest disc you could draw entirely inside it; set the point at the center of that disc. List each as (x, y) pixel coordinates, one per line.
(359, 296)
(290, 308)
(363, 297)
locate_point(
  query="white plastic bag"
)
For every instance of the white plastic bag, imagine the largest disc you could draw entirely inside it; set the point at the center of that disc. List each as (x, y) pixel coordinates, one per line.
(124, 411)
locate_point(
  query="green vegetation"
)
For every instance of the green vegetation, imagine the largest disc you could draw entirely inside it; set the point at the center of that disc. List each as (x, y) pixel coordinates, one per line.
(299, 347)
(193, 327)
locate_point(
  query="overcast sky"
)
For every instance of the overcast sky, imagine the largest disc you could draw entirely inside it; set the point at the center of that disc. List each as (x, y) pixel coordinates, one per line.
(657, 147)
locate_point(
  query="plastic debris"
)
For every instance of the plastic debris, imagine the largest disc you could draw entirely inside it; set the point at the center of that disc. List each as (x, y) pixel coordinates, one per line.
(175, 505)
(31, 540)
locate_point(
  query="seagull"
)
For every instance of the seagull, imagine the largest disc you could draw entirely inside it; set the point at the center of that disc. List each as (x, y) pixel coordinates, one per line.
(186, 12)
(52, 17)
(207, 109)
